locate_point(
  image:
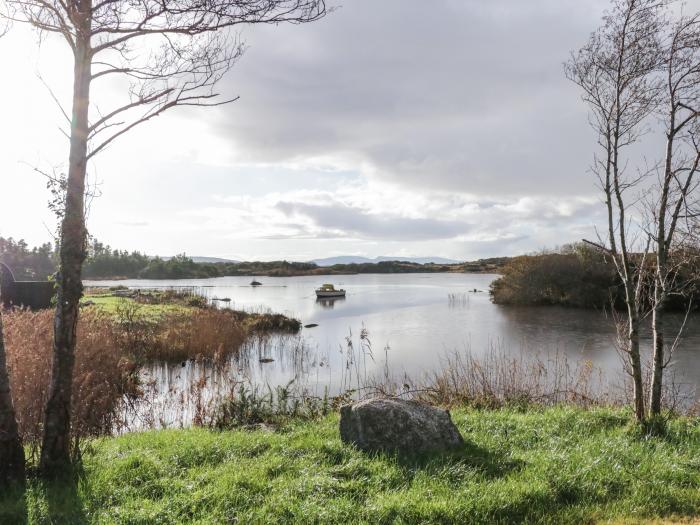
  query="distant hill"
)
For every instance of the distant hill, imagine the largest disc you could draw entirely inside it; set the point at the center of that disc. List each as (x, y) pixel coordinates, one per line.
(213, 260)
(354, 259)
(207, 260)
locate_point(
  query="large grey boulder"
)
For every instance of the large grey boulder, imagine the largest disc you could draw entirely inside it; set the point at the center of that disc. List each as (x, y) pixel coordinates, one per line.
(398, 425)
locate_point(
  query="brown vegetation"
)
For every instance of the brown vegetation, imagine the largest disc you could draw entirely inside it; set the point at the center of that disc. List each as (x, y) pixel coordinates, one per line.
(110, 349)
(103, 374)
(577, 276)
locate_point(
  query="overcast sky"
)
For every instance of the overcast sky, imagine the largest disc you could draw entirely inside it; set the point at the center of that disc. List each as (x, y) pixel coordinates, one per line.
(391, 127)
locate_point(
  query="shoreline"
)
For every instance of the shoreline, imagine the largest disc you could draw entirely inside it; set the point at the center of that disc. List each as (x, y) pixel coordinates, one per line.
(272, 275)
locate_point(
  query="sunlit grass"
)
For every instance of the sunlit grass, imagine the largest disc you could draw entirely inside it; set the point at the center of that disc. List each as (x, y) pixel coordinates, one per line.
(111, 304)
(555, 465)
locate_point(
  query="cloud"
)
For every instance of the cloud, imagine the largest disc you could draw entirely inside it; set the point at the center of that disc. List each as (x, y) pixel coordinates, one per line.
(133, 224)
(463, 96)
(346, 220)
(369, 212)
(395, 126)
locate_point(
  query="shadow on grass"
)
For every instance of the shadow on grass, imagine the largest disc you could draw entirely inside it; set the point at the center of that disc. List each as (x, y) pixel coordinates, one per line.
(54, 502)
(13, 506)
(64, 504)
(458, 462)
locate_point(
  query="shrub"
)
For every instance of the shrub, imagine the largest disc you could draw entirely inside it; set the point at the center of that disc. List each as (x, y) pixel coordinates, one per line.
(579, 278)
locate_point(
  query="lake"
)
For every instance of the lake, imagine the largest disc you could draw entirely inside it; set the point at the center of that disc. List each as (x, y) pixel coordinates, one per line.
(410, 322)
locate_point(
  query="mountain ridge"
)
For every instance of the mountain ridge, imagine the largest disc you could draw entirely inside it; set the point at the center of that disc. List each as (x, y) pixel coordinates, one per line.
(356, 259)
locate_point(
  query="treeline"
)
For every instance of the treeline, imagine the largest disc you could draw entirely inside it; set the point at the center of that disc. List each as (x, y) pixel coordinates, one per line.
(28, 264)
(104, 262)
(577, 276)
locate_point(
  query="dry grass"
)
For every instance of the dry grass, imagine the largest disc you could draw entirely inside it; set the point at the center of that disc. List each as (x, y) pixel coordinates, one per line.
(198, 334)
(178, 335)
(501, 379)
(110, 350)
(103, 374)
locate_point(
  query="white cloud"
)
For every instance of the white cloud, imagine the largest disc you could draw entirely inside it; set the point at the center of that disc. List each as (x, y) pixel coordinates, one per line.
(387, 128)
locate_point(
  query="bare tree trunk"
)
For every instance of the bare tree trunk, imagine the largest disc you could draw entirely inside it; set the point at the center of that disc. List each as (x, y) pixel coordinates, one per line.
(11, 450)
(633, 353)
(636, 365)
(659, 357)
(55, 452)
(659, 299)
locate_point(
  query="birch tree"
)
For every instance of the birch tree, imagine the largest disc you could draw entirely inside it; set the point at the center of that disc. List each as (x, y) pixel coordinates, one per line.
(677, 181)
(663, 82)
(616, 72)
(170, 53)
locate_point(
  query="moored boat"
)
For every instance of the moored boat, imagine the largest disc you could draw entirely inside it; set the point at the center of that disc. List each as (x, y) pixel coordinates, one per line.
(328, 290)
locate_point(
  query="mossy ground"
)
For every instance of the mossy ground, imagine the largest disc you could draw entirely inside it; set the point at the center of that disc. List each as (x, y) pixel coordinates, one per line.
(555, 465)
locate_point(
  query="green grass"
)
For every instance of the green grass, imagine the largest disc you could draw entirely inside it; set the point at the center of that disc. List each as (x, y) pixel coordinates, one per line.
(557, 465)
(110, 304)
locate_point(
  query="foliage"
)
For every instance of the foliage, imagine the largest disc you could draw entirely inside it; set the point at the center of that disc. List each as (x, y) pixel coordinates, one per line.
(576, 276)
(580, 276)
(36, 263)
(557, 465)
(104, 262)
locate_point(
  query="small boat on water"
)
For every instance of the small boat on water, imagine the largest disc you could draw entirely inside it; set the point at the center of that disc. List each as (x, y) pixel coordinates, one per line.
(328, 290)
(255, 283)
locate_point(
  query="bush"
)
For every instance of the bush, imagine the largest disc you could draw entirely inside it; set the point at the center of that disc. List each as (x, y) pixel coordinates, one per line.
(578, 277)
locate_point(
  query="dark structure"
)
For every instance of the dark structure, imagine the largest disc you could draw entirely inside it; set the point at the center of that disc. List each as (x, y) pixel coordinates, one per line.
(36, 295)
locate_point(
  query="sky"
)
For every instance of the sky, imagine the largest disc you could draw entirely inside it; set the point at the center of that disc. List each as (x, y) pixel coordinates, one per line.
(391, 127)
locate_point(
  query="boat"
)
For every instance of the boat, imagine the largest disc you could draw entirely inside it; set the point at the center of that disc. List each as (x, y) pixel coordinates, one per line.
(328, 290)
(255, 283)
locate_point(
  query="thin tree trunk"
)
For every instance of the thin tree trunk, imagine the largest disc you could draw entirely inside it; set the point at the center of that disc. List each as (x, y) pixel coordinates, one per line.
(659, 357)
(636, 365)
(55, 451)
(609, 192)
(11, 450)
(659, 305)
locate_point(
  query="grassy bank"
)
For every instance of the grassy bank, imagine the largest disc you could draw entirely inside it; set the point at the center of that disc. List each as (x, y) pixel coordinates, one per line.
(555, 465)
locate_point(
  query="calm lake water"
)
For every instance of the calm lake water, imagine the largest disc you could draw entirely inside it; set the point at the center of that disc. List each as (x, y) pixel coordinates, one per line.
(413, 322)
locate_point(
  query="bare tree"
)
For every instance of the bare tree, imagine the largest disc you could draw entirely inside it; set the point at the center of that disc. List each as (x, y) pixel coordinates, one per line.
(677, 181)
(615, 70)
(171, 53)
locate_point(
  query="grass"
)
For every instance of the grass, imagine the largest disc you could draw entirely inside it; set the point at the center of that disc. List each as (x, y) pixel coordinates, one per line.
(111, 304)
(548, 465)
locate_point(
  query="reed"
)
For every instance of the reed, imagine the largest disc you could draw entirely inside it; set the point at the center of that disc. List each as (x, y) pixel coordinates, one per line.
(104, 376)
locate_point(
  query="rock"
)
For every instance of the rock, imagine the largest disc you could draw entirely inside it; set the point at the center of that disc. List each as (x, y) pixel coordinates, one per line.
(398, 425)
(312, 325)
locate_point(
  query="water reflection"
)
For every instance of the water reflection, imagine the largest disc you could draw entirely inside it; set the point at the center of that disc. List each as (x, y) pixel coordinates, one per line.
(421, 318)
(329, 302)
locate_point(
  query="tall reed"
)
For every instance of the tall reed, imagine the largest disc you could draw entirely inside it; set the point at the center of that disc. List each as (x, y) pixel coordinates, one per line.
(103, 379)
